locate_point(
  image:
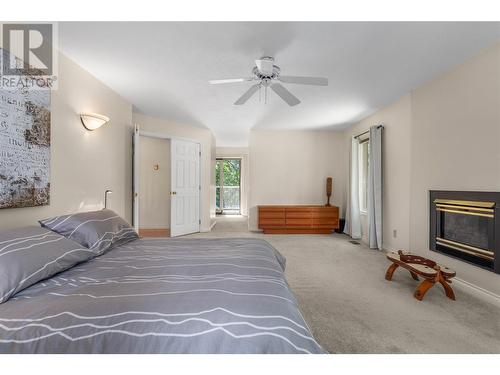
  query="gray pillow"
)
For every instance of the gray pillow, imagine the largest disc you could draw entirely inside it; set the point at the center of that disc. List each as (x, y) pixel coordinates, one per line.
(96, 230)
(31, 254)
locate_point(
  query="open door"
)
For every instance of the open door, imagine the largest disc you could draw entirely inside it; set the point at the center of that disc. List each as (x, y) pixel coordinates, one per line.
(185, 188)
(135, 189)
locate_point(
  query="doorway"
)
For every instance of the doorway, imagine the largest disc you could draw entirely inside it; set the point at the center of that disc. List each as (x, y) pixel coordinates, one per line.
(154, 180)
(228, 186)
(167, 185)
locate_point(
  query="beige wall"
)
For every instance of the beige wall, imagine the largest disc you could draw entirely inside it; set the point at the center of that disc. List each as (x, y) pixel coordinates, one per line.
(396, 172)
(456, 146)
(84, 164)
(154, 197)
(213, 157)
(240, 153)
(206, 139)
(443, 135)
(291, 167)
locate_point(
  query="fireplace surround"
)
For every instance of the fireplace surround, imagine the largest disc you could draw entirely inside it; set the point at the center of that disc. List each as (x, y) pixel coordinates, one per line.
(466, 225)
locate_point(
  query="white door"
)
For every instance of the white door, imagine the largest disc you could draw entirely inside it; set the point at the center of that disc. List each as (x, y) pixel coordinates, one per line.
(185, 189)
(135, 147)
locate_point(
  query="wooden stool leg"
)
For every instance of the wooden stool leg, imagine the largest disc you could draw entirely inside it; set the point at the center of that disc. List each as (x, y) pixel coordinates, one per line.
(414, 275)
(447, 288)
(423, 288)
(390, 271)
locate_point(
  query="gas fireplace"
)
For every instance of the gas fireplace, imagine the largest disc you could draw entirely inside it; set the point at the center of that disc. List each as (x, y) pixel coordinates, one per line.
(466, 226)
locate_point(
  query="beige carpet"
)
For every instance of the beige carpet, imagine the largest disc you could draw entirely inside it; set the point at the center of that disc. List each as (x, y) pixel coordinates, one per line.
(230, 223)
(351, 308)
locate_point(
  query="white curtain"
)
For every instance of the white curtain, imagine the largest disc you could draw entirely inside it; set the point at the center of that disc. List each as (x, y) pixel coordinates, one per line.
(353, 220)
(375, 188)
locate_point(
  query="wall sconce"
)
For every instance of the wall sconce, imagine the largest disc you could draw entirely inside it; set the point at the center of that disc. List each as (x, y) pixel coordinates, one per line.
(93, 121)
(106, 197)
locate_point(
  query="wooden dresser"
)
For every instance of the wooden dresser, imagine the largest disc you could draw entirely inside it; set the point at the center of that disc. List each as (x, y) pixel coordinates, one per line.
(298, 219)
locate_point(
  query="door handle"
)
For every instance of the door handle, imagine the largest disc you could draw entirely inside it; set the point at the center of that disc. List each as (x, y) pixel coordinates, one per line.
(173, 193)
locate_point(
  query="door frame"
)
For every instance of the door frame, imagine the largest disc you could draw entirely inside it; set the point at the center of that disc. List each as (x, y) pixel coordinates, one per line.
(136, 178)
(221, 177)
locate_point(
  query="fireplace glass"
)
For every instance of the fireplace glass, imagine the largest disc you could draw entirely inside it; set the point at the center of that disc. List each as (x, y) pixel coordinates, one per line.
(466, 229)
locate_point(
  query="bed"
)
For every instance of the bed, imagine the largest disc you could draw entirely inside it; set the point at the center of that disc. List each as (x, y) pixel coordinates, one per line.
(162, 296)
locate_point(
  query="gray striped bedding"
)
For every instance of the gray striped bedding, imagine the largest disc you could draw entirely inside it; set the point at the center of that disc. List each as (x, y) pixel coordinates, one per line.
(96, 230)
(31, 254)
(162, 296)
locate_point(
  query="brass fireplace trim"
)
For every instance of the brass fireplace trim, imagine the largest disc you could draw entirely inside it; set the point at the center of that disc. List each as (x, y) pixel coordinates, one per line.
(464, 212)
(465, 208)
(474, 208)
(472, 250)
(455, 202)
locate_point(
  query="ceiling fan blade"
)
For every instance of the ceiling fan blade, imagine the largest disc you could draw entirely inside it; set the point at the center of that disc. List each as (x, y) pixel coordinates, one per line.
(232, 80)
(284, 94)
(265, 66)
(316, 81)
(247, 95)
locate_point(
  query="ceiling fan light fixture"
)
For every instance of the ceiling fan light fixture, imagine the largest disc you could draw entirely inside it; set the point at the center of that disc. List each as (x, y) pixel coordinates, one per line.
(268, 74)
(265, 65)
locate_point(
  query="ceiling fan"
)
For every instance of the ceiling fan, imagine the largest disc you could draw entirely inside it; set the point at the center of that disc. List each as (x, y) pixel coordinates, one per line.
(268, 75)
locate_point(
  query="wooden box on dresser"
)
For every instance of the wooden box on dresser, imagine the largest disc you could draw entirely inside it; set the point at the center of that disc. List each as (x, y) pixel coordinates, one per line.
(298, 219)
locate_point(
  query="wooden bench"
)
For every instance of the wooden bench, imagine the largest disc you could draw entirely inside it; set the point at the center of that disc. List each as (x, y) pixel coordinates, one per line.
(429, 270)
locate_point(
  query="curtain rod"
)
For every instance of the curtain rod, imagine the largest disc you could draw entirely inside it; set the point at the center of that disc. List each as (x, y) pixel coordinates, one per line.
(366, 132)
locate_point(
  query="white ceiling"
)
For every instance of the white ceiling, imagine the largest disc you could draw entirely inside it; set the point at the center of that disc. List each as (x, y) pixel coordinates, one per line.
(163, 68)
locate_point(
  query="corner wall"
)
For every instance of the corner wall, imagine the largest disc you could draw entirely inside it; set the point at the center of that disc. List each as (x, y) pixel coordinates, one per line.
(444, 135)
(291, 167)
(456, 146)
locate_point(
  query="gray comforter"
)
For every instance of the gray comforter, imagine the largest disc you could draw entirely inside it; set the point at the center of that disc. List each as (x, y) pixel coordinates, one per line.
(162, 296)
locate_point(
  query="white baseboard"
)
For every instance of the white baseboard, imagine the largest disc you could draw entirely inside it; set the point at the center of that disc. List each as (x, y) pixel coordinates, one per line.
(490, 296)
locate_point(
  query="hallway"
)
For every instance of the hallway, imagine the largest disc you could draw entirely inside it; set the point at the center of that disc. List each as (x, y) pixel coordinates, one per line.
(231, 223)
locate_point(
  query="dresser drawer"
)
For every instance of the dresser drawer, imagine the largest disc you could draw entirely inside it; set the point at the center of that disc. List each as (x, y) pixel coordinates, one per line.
(299, 222)
(271, 216)
(325, 212)
(295, 213)
(271, 222)
(326, 222)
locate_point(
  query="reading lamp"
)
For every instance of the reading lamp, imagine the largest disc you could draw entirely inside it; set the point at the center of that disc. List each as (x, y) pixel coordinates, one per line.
(93, 121)
(106, 197)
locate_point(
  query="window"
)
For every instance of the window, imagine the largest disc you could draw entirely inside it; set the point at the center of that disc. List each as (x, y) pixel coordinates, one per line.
(363, 159)
(227, 182)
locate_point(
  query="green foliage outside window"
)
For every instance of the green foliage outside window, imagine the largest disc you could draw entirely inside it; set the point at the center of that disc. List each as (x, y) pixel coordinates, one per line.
(232, 175)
